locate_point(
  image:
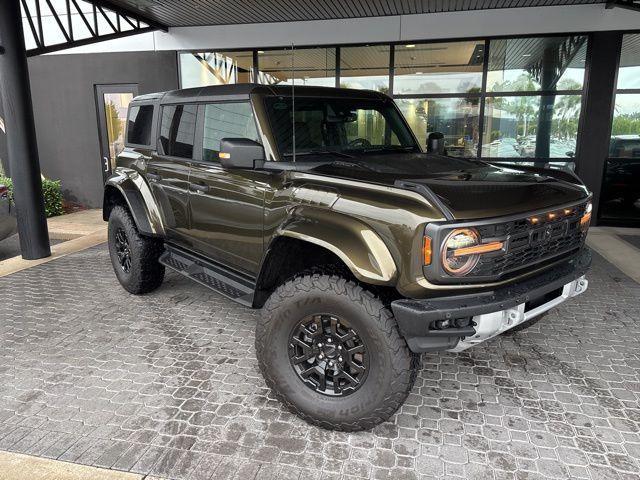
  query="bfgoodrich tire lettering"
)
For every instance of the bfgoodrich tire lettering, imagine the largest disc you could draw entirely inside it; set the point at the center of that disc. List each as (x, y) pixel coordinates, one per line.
(392, 367)
(140, 272)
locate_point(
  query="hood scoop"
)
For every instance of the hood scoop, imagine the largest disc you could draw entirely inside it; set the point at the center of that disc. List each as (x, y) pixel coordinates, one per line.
(426, 192)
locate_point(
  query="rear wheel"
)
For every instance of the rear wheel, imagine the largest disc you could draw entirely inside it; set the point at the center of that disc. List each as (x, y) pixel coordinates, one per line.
(134, 257)
(332, 353)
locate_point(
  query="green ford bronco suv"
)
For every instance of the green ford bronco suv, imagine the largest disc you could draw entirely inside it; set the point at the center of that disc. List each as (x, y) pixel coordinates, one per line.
(363, 251)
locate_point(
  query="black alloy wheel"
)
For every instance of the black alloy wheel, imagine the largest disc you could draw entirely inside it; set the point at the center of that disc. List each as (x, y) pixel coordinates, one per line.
(123, 250)
(328, 355)
(332, 352)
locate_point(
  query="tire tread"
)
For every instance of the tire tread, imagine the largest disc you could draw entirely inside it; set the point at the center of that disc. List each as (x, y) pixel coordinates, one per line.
(401, 355)
(148, 273)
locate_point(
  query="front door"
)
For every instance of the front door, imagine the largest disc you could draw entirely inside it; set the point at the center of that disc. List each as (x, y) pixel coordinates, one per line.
(227, 206)
(112, 102)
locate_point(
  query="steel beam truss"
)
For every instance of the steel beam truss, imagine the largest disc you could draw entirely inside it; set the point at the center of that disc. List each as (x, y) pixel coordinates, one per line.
(101, 19)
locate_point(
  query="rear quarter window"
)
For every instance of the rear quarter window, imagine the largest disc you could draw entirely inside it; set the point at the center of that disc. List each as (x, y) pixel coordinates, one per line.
(139, 124)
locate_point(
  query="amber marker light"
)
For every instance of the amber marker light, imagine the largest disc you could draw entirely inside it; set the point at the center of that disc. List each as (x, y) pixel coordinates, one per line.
(483, 248)
(534, 220)
(427, 253)
(552, 216)
(224, 155)
(585, 221)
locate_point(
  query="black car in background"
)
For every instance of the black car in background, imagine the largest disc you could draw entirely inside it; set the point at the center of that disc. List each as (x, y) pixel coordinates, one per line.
(7, 214)
(621, 186)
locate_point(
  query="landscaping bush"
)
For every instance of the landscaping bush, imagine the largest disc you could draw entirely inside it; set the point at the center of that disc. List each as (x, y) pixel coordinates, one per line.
(51, 191)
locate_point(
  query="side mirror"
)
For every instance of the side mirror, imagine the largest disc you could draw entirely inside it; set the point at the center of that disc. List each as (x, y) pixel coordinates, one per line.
(240, 153)
(435, 143)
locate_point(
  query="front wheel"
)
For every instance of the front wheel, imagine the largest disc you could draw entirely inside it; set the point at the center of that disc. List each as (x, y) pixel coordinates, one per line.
(332, 353)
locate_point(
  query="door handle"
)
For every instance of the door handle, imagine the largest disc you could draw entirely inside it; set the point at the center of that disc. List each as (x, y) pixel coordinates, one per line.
(154, 177)
(198, 187)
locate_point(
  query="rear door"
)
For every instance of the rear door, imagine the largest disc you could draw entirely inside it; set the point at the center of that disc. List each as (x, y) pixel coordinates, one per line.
(226, 205)
(168, 169)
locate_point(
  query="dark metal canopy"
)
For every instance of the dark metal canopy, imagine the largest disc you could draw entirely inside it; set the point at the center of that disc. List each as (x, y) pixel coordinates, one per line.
(177, 13)
(52, 25)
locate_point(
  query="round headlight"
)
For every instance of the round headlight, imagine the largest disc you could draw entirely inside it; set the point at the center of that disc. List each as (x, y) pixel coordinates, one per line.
(459, 265)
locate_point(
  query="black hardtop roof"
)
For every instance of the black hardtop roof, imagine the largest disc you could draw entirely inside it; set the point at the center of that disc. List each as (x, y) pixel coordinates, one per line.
(242, 91)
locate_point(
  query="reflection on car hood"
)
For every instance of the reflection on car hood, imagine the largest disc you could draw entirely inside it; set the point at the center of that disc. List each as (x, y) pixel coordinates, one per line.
(469, 189)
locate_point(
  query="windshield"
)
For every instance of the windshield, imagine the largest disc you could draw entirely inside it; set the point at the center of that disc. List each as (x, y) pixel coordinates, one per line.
(339, 126)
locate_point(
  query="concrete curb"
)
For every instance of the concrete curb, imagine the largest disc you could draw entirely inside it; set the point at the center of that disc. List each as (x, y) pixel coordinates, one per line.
(615, 250)
(17, 264)
(16, 466)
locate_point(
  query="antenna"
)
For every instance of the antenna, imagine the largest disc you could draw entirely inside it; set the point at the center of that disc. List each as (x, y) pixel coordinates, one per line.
(293, 99)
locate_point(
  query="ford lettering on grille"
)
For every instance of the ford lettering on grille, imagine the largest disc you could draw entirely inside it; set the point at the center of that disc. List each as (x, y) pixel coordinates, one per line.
(528, 244)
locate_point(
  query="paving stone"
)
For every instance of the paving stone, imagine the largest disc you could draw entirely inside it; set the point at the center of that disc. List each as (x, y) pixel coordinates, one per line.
(167, 384)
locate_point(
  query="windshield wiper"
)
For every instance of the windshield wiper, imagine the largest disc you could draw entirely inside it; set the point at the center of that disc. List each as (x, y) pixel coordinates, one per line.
(390, 148)
(320, 152)
(347, 163)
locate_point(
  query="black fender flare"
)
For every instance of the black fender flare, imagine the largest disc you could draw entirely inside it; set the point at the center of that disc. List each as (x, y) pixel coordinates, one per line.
(137, 194)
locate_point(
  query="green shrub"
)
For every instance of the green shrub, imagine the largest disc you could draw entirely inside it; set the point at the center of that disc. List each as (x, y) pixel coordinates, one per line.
(51, 191)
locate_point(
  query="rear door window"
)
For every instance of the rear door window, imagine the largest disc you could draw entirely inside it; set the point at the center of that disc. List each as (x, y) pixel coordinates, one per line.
(226, 120)
(177, 130)
(139, 124)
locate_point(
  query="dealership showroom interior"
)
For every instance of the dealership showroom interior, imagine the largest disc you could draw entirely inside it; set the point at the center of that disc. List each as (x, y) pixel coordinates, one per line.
(319, 239)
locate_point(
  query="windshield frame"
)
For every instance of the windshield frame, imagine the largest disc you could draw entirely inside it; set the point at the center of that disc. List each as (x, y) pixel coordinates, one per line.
(265, 116)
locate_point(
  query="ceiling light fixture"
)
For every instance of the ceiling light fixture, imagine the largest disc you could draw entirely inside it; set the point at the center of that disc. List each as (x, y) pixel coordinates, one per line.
(410, 46)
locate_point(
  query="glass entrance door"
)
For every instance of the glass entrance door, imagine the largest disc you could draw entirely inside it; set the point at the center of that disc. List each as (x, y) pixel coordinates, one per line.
(112, 104)
(620, 195)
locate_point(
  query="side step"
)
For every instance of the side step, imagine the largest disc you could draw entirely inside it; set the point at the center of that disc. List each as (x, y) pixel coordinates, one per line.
(230, 284)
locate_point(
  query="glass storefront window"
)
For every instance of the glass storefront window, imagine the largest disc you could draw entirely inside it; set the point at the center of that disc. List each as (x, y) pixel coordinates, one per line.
(629, 70)
(307, 66)
(438, 68)
(540, 63)
(456, 118)
(625, 131)
(620, 194)
(531, 126)
(365, 67)
(215, 68)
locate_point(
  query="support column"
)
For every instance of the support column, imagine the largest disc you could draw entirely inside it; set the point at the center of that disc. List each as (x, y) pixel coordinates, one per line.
(597, 110)
(22, 149)
(547, 102)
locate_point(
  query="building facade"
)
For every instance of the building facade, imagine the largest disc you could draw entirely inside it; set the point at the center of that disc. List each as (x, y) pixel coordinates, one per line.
(553, 86)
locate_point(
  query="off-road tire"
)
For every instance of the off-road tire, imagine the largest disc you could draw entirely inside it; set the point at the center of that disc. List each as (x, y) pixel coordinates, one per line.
(392, 366)
(145, 273)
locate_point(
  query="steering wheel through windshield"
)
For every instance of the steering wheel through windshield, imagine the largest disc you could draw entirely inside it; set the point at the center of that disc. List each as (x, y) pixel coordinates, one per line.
(359, 143)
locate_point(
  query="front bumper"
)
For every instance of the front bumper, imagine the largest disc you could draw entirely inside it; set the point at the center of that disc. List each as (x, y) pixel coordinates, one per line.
(491, 312)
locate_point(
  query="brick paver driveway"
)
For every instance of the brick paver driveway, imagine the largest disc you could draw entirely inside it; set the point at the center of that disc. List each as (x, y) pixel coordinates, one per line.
(167, 384)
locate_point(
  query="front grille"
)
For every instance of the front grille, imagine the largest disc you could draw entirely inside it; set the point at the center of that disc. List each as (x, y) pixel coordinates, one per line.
(528, 244)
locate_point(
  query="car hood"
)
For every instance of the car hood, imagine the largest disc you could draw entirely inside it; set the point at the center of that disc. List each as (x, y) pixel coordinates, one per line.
(468, 189)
